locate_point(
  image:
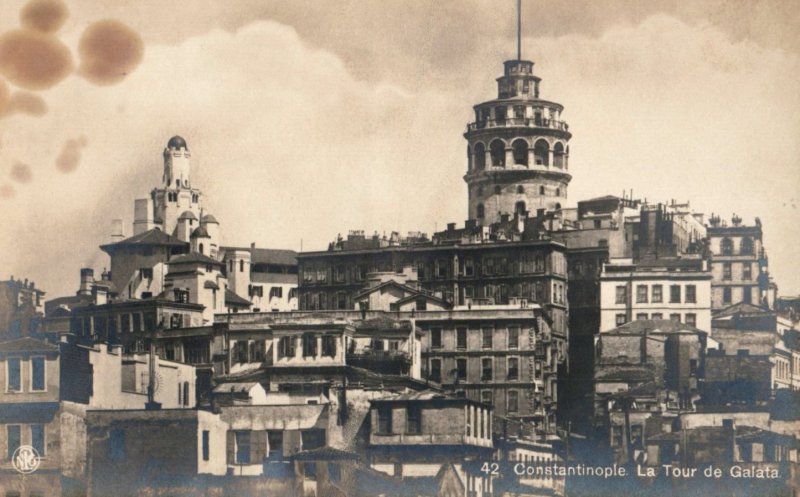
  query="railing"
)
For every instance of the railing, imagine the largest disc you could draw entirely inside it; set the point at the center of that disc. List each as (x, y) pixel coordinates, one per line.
(519, 121)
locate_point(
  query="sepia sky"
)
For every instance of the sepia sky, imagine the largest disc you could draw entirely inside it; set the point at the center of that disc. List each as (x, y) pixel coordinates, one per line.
(309, 118)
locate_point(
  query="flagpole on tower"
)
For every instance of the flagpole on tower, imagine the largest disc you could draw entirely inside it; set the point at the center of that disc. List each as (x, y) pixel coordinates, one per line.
(519, 29)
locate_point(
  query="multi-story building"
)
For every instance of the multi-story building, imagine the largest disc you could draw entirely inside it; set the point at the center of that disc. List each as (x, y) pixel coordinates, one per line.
(677, 289)
(46, 390)
(739, 264)
(21, 308)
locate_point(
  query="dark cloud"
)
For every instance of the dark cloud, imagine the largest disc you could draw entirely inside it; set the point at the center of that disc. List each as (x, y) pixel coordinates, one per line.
(109, 50)
(70, 156)
(46, 16)
(21, 173)
(33, 60)
(6, 191)
(23, 102)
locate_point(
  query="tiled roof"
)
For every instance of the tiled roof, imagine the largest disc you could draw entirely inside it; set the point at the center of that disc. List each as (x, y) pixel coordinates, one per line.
(154, 237)
(194, 257)
(232, 299)
(279, 257)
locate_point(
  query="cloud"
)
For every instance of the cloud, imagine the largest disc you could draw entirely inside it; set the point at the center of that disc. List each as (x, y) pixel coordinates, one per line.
(70, 156)
(46, 16)
(109, 51)
(21, 173)
(33, 60)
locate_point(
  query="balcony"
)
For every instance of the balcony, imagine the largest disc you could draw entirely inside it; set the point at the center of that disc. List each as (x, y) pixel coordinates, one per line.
(382, 361)
(527, 122)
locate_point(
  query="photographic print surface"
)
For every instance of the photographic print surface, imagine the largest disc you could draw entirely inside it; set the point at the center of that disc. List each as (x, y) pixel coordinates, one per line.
(357, 248)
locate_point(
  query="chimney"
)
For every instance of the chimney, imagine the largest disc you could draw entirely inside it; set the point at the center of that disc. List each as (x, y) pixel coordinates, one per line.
(470, 224)
(117, 232)
(87, 279)
(451, 226)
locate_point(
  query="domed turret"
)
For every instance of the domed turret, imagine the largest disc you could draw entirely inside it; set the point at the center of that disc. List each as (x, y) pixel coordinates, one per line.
(517, 150)
(177, 143)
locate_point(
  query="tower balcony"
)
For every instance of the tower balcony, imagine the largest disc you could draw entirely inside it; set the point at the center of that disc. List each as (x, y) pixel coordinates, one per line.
(525, 122)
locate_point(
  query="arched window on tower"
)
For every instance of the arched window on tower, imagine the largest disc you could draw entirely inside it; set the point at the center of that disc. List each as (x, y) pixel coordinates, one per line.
(498, 152)
(520, 189)
(469, 158)
(201, 249)
(479, 211)
(727, 246)
(558, 192)
(520, 152)
(558, 155)
(498, 190)
(520, 208)
(479, 157)
(541, 190)
(241, 265)
(747, 246)
(541, 152)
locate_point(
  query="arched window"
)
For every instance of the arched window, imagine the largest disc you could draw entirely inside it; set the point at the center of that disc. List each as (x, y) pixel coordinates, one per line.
(498, 152)
(241, 265)
(541, 190)
(558, 155)
(520, 189)
(186, 393)
(558, 207)
(201, 248)
(747, 246)
(498, 190)
(558, 192)
(520, 208)
(479, 159)
(520, 152)
(479, 214)
(469, 159)
(541, 153)
(727, 246)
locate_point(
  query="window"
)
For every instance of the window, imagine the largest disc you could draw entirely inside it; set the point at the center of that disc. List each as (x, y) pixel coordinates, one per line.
(620, 319)
(486, 369)
(146, 273)
(339, 274)
(14, 382)
(726, 295)
(488, 266)
(309, 345)
(206, 450)
(440, 268)
(747, 271)
(622, 295)
(329, 346)
(727, 246)
(341, 300)
(486, 338)
(385, 419)
(487, 397)
(513, 368)
(436, 370)
(513, 401)
(641, 294)
(747, 295)
(675, 294)
(461, 338)
(675, 317)
(37, 374)
(747, 246)
(479, 211)
(691, 294)
(642, 316)
(275, 442)
(241, 265)
(414, 420)
(726, 271)
(469, 267)
(14, 439)
(242, 439)
(657, 316)
(286, 347)
(513, 337)
(461, 369)
(691, 319)
(658, 292)
(436, 338)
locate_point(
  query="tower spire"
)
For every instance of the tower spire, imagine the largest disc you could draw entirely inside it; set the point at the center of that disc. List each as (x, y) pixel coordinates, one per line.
(519, 29)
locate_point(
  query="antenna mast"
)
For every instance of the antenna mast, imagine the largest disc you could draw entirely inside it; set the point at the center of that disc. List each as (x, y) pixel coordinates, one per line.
(519, 29)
